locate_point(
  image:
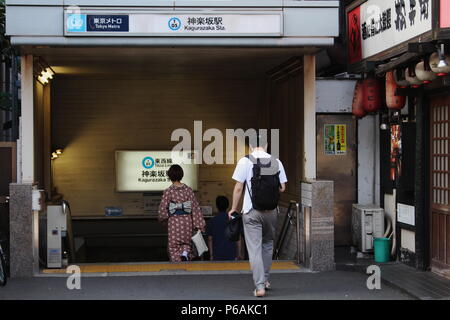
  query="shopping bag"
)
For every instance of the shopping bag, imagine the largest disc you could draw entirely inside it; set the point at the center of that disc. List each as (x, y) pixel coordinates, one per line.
(199, 243)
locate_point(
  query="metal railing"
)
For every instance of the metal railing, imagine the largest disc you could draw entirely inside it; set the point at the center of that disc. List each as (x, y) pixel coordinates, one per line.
(288, 221)
(301, 218)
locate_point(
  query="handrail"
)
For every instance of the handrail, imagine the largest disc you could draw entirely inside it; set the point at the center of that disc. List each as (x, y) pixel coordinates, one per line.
(69, 229)
(287, 221)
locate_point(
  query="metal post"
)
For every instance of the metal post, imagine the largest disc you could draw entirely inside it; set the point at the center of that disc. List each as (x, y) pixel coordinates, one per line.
(297, 216)
(307, 244)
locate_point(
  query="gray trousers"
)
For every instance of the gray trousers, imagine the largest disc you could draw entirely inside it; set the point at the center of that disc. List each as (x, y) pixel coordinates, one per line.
(259, 231)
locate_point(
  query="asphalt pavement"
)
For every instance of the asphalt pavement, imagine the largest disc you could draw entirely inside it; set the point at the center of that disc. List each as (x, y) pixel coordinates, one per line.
(336, 285)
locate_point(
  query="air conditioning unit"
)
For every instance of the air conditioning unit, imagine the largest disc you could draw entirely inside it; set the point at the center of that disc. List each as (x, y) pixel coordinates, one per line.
(367, 224)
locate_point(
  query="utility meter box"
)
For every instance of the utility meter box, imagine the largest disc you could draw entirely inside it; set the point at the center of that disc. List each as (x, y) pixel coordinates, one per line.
(367, 224)
(56, 233)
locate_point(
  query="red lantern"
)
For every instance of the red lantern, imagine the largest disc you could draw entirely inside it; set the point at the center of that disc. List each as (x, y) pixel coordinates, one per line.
(393, 101)
(372, 94)
(357, 104)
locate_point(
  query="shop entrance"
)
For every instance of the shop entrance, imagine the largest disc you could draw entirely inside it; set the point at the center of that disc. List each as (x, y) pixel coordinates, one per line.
(440, 184)
(109, 99)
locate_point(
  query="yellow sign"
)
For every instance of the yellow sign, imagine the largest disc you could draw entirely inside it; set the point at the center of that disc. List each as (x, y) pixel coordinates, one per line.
(341, 139)
(335, 139)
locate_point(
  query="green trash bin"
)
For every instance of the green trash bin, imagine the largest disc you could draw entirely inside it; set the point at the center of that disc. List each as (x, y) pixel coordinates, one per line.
(382, 249)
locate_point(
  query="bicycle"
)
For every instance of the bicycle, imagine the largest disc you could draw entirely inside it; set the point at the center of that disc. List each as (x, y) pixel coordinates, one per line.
(3, 276)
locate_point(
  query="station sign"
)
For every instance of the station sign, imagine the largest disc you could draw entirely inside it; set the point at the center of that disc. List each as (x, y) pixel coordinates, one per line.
(146, 171)
(173, 24)
(378, 25)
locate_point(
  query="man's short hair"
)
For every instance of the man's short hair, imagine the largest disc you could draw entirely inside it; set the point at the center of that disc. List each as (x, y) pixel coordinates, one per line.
(260, 142)
(222, 203)
(175, 173)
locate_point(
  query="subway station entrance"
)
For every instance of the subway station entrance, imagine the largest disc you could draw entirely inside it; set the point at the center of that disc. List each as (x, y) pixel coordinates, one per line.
(131, 92)
(102, 100)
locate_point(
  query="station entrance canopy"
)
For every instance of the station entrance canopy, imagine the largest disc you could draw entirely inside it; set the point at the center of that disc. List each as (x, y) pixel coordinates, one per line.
(233, 23)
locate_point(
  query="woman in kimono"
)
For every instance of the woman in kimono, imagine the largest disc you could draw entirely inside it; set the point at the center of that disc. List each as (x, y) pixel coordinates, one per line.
(180, 210)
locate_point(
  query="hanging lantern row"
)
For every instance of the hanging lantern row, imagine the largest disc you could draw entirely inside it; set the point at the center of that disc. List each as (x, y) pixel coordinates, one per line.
(368, 92)
(415, 76)
(367, 97)
(424, 72)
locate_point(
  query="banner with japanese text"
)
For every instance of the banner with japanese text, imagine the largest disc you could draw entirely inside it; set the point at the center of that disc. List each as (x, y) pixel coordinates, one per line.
(144, 171)
(379, 25)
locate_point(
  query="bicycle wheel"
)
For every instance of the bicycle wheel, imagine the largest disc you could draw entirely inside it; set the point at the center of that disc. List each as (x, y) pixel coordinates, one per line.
(2, 270)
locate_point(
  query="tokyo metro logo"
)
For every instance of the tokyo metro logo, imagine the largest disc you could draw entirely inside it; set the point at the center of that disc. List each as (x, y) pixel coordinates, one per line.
(76, 22)
(148, 162)
(174, 24)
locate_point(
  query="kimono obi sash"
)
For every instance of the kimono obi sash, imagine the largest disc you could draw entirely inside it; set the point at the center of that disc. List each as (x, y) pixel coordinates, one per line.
(180, 208)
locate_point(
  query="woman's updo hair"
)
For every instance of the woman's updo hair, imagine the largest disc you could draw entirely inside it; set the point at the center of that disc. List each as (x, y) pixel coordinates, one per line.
(175, 173)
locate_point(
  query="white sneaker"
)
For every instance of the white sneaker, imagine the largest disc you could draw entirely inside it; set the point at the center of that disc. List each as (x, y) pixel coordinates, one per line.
(267, 285)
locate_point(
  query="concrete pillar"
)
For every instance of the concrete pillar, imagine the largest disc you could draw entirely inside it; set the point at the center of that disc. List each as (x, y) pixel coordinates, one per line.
(24, 258)
(317, 197)
(23, 236)
(27, 120)
(317, 243)
(309, 119)
(369, 160)
(366, 160)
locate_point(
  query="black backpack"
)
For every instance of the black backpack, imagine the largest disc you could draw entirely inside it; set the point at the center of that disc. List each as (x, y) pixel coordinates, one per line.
(265, 183)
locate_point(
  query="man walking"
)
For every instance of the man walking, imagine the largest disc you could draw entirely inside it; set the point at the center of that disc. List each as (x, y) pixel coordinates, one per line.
(263, 178)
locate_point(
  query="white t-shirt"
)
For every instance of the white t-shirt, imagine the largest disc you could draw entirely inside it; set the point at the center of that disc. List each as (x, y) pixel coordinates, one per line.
(244, 173)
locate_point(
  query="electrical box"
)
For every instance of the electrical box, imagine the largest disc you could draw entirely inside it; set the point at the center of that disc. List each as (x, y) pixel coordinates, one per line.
(56, 233)
(367, 224)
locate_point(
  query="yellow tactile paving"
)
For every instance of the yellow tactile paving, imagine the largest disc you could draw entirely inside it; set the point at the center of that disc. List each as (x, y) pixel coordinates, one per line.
(157, 267)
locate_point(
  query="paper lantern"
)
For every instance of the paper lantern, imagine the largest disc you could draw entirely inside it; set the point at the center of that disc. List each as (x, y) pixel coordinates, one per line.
(424, 73)
(357, 103)
(434, 64)
(411, 77)
(372, 94)
(393, 101)
(399, 76)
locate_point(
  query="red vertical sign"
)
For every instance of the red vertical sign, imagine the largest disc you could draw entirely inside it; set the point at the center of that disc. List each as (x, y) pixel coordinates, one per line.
(354, 35)
(445, 14)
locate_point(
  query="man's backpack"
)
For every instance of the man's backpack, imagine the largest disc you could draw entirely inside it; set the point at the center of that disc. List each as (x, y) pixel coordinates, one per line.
(265, 183)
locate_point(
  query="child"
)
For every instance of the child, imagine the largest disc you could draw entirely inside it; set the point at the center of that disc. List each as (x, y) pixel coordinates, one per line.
(219, 247)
